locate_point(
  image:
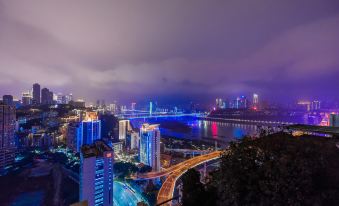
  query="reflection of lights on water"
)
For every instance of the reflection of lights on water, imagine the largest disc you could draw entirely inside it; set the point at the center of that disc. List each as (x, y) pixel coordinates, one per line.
(238, 133)
(214, 129)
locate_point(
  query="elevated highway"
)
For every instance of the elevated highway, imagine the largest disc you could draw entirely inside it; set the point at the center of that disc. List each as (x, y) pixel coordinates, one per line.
(167, 189)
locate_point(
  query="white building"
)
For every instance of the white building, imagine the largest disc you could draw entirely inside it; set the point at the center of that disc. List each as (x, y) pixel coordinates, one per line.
(96, 174)
(149, 151)
(124, 127)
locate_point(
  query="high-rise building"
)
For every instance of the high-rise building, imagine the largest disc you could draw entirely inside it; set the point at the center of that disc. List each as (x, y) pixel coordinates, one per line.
(334, 120)
(315, 105)
(7, 132)
(255, 99)
(69, 98)
(124, 126)
(26, 98)
(61, 99)
(8, 100)
(150, 108)
(90, 130)
(36, 93)
(243, 102)
(72, 135)
(46, 96)
(149, 151)
(96, 174)
(113, 108)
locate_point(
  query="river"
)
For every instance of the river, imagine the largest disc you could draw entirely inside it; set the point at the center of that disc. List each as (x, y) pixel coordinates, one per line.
(196, 129)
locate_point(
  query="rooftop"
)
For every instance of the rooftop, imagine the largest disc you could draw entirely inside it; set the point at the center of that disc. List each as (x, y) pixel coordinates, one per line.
(95, 150)
(149, 127)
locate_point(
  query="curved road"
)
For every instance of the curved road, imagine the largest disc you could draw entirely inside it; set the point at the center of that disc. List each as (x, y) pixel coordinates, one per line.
(168, 171)
(167, 189)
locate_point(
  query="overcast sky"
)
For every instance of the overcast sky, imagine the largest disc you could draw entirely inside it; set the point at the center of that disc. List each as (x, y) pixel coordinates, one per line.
(191, 49)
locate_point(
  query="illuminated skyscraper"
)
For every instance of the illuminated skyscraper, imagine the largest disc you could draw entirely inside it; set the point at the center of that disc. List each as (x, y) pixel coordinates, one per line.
(255, 99)
(150, 108)
(36, 93)
(149, 151)
(7, 131)
(124, 126)
(96, 174)
(90, 130)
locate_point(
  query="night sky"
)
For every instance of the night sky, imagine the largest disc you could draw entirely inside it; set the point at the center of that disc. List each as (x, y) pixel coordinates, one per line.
(192, 49)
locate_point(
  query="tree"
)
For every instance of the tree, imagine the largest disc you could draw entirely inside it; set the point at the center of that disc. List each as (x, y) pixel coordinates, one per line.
(279, 170)
(193, 191)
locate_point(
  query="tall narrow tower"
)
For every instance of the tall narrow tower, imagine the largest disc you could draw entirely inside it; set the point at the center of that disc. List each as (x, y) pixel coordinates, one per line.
(36, 93)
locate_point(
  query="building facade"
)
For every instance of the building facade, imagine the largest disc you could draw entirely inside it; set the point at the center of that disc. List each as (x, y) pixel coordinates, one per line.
(124, 127)
(334, 120)
(7, 135)
(8, 100)
(96, 174)
(46, 96)
(36, 93)
(149, 150)
(90, 130)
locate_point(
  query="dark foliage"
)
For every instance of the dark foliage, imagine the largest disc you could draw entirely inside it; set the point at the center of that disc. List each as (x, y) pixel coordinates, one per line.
(276, 170)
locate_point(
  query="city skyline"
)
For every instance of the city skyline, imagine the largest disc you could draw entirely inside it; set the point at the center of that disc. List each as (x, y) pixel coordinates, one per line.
(134, 51)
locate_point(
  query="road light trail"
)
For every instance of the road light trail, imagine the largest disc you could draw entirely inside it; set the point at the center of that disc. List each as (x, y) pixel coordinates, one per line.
(167, 189)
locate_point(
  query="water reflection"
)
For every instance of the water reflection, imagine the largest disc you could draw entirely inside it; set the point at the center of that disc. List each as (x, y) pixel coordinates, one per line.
(201, 129)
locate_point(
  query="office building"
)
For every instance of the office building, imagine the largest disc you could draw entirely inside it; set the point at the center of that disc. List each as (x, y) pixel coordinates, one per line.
(46, 96)
(113, 108)
(90, 130)
(80, 103)
(96, 174)
(242, 104)
(124, 127)
(315, 105)
(26, 98)
(73, 133)
(7, 132)
(334, 120)
(36, 94)
(149, 151)
(63, 99)
(68, 98)
(8, 100)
